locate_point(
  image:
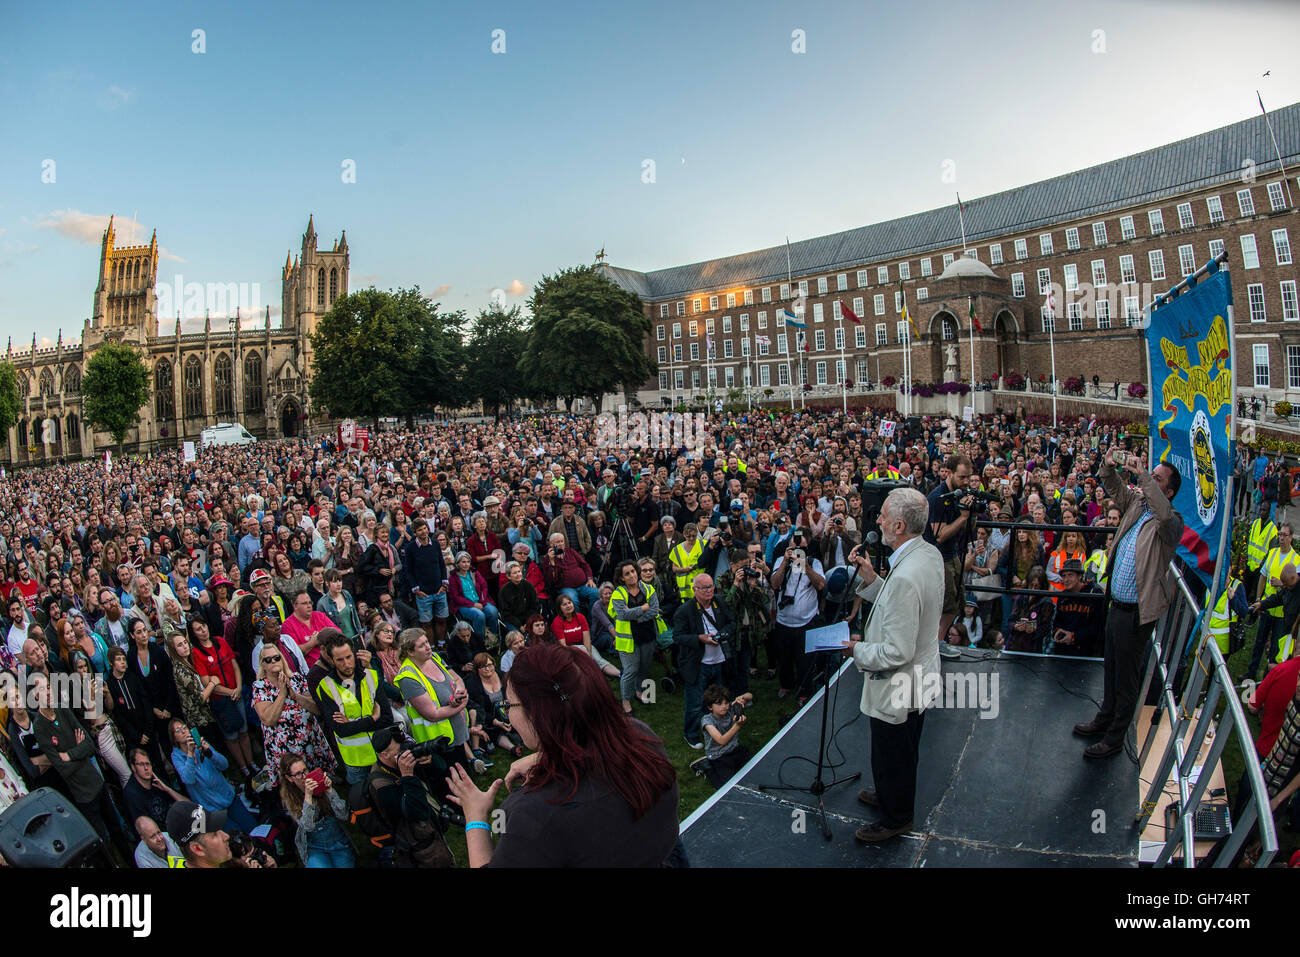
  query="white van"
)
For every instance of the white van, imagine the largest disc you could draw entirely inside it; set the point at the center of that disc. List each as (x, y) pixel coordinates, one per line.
(226, 433)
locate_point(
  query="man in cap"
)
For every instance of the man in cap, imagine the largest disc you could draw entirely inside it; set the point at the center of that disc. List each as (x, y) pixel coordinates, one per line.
(1077, 620)
(199, 835)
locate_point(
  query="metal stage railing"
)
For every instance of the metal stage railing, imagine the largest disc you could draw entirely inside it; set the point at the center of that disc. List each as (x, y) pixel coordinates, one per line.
(1208, 685)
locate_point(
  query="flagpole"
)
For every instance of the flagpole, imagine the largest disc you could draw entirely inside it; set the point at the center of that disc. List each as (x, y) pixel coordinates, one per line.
(1269, 123)
(971, 317)
(844, 371)
(1051, 340)
(961, 218)
(789, 281)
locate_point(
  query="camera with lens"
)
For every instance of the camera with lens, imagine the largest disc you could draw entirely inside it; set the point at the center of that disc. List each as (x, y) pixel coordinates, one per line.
(752, 572)
(427, 749)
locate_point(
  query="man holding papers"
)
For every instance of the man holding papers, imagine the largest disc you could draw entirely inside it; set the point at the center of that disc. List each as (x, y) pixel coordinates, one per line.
(898, 649)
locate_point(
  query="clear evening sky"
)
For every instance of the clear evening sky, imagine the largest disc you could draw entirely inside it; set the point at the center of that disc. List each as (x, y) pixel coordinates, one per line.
(478, 170)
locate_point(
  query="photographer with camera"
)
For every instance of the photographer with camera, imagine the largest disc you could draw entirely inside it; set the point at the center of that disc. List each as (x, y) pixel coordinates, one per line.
(750, 601)
(402, 800)
(796, 580)
(951, 507)
(722, 724)
(703, 632)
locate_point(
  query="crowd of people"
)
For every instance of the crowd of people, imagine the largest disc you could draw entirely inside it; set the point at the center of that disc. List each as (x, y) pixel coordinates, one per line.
(294, 643)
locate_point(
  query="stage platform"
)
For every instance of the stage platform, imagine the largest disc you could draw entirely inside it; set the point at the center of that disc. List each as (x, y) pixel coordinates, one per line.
(1013, 790)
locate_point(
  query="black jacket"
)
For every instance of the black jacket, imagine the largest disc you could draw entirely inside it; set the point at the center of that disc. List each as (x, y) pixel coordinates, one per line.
(688, 625)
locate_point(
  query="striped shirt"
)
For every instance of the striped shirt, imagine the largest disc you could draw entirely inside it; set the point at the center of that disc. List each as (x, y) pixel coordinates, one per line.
(1123, 577)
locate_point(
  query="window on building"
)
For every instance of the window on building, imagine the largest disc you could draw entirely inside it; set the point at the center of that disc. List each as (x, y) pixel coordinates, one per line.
(882, 334)
(253, 382)
(1049, 320)
(803, 288)
(764, 376)
(1187, 259)
(767, 294)
(818, 310)
(713, 303)
(1185, 220)
(859, 337)
(1276, 197)
(728, 349)
(695, 378)
(1103, 313)
(904, 270)
(1293, 367)
(821, 373)
(744, 322)
(663, 310)
(1156, 260)
(841, 282)
(900, 330)
(681, 307)
(862, 278)
(663, 381)
(679, 379)
(1214, 207)
(192, 386)
(926, 268)
(922, 293)
(836, 310)
(1216, 248)
(223, 384)
(1072, 238)
(1246, 202)
(695, 328)
(1044, 281)
(785, 291)
(1099, 234)
(948, 328)
(1290, 309)
(320, 286)
(1127, 271)
(763, 345)
(1282, 247)
(1255, 295)
(1132, 312)
(663, 354)
(726, 325)
(821, 285)
(1126, 228)
(781, 345)
(782, 375)
(857, 306)
(882, 274)
(72, 382)
(708, 325)
(660, 331)
(839, 338)
(164, 399)
(995, 254)
(878, 303)
(762, 319)
(1045, 246)
(1249, 254)
(819, 340)
(1021, 249)
(1071, 277)
(695, 352)
(1156, 220)
(677, 330)
(947, 259)
(677, 352)
(1018, 285)
(695, 306)
(1261, 365)
(898, 301)
(1098, 273)
(731, 300)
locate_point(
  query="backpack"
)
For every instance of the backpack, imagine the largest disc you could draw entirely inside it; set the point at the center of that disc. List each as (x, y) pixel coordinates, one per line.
(366, 817)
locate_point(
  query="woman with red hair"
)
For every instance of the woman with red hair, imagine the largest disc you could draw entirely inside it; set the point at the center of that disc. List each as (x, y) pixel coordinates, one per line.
(598, 792)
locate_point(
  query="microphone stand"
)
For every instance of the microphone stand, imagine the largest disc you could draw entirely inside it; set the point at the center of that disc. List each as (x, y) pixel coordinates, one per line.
(818, 787)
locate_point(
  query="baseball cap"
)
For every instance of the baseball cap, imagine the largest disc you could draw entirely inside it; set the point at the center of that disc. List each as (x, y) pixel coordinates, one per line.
(738, 503)
(382, 738)
(259, 576)
(187, 821)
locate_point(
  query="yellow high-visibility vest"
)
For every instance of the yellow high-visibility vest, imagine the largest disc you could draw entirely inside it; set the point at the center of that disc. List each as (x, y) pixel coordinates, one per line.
(1221, 616)
(686, 557)
(422, 729)
(1273, 566)
(1096, 564)
(1261, 536)
(622, 628)
(356, 749)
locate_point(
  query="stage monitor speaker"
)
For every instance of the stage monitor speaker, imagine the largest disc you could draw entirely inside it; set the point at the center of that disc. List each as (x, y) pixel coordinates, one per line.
(874, 492)
(44, 829)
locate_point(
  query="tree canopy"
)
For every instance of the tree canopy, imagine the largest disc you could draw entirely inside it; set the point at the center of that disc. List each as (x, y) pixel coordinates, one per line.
(497, 339)
(10, 402)
(116, 386)
(386, 353)
(587, 337)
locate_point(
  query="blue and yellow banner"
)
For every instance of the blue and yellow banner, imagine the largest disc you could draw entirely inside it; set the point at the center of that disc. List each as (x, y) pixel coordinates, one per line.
(1192, 408)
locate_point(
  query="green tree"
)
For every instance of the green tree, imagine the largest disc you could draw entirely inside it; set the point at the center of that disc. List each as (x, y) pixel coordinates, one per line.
(496, 341)
(10, 403)
(116, 386)
(587, 337)
(384, 353)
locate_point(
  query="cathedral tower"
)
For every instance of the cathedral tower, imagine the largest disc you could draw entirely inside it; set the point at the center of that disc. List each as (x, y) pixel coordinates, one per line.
(312, 280)
(124, 303)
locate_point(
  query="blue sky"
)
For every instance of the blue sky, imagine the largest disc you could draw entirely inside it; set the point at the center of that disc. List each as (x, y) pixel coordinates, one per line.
(478, 170)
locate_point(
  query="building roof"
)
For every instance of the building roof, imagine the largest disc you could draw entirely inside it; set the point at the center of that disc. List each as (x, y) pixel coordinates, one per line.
(1164, 171)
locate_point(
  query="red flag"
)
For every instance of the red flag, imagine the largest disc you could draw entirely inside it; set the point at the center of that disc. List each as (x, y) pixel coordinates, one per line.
(850, 313)
(975, 320)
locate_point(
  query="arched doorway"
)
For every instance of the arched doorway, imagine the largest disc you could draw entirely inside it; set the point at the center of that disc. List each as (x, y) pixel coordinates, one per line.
(944, 333)
(289, 423)
(1004, 331)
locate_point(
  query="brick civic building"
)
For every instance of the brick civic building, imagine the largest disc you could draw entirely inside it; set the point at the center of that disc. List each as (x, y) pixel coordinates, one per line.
(1106, 239)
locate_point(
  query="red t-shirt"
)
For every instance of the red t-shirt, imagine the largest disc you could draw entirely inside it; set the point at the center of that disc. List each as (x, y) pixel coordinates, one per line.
(218, 661)
(1271, 698)
(569, 632)
(29, 590)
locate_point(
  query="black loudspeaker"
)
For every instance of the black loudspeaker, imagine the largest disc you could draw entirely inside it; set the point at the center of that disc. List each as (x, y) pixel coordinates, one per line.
(914, 430)
(44, 829)
(874, 493)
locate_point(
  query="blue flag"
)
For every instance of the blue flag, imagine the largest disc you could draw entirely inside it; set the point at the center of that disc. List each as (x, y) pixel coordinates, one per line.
(1191, 411)
(792, 320)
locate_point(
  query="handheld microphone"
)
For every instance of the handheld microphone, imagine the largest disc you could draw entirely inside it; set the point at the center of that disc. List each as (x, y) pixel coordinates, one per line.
(873, 538)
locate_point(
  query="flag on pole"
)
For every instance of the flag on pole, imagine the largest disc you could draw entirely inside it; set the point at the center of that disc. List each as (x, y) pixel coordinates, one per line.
(850, 313)
(803, 341)
(792, 320)
(974, 319)
(763, 340)
(709, 343)
(1050, 302)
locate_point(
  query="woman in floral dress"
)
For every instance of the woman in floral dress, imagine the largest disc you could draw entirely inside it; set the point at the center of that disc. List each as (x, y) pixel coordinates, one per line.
(288, 714)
